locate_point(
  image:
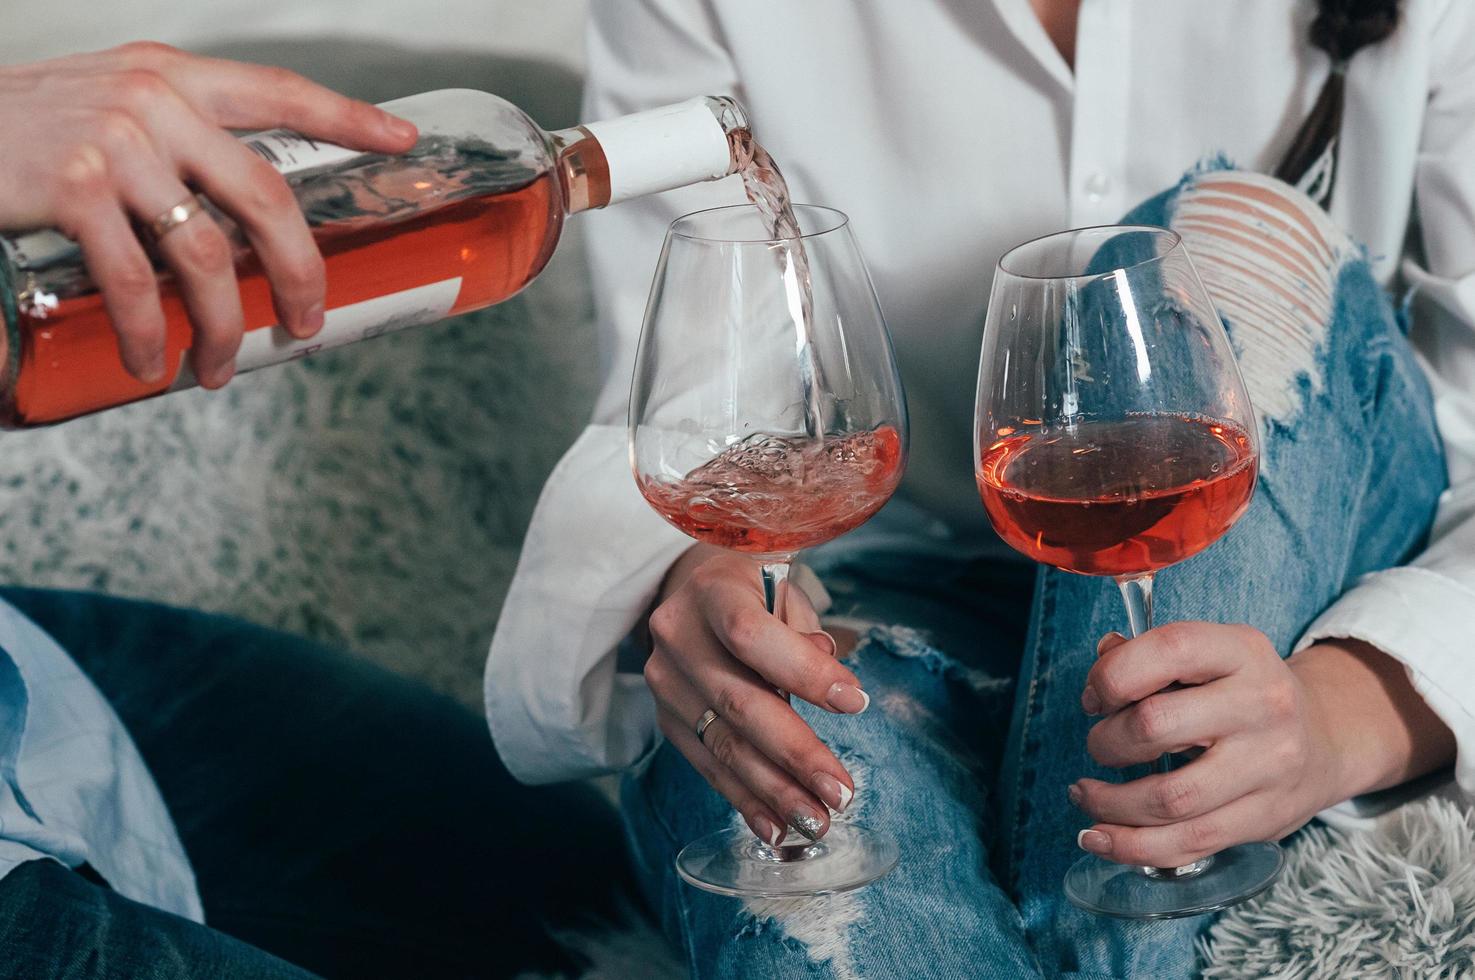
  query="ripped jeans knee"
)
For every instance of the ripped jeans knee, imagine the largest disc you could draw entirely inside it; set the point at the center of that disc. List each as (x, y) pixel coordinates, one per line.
(1271, 261)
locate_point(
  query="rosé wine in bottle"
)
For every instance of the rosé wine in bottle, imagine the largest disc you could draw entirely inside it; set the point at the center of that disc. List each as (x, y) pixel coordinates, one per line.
(1118, 497)
(772, 495)
(464, 220)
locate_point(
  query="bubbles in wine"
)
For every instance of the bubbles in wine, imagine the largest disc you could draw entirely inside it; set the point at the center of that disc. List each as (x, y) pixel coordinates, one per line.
(772, 494)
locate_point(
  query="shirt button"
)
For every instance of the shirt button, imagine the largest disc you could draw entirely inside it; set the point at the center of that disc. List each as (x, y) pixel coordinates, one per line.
(1097, 187)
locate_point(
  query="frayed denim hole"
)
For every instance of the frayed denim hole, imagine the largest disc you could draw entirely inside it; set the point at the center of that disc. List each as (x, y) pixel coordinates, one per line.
(958, 761)
(818, 928)
(906, 643)
(767, 927)
(1274, 265)
(1157, 210)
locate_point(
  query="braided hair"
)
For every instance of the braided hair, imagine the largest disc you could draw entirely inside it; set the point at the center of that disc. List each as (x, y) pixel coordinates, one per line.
(1341, 29)
(1344, 27)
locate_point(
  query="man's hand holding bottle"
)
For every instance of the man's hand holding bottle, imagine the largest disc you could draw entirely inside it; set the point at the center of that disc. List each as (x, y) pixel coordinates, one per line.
(111, 149)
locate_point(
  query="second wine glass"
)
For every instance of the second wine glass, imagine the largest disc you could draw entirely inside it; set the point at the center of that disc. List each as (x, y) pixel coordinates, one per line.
(1114, 437)
(767, 416)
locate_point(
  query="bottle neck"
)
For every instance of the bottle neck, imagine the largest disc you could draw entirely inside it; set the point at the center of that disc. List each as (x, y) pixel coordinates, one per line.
(608, 162)
(583, 170)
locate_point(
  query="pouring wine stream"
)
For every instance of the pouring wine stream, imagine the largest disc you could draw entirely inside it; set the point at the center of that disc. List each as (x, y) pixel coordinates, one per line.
(769, 193)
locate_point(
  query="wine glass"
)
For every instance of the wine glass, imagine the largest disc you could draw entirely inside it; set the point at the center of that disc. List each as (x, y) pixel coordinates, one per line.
(767, 416)
(1113, 436)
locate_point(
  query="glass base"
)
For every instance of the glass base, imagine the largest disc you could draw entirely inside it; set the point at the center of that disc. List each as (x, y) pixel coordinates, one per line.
(734, 862)
(1127, 892)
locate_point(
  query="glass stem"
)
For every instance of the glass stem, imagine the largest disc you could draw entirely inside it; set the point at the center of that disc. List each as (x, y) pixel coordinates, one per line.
(775, 574)
(1137, 596)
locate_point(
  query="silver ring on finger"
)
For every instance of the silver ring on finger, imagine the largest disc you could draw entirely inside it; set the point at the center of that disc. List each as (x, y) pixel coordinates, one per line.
(174, 217)
(703, 723)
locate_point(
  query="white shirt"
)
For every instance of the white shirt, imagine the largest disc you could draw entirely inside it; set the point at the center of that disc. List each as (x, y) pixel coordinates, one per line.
(951, 130)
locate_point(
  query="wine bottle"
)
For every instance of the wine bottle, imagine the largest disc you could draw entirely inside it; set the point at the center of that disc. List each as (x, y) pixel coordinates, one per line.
(464, 220)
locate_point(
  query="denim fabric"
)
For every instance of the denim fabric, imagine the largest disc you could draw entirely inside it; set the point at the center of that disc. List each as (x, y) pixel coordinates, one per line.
(55, 923)
(969, 769)
(340, 819)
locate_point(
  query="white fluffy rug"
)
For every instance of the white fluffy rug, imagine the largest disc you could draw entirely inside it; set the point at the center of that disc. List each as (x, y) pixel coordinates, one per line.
(1395, 902)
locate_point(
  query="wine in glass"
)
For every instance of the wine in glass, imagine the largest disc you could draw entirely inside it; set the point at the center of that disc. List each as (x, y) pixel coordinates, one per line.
(1114, 437)
(767, 416)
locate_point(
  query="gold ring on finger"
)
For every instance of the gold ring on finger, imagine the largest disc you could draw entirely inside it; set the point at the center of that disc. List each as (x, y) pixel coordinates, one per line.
(703, 723)
(174, 217)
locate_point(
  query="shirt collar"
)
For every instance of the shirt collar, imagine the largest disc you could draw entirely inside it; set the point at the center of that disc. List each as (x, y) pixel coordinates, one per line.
(1025, 25)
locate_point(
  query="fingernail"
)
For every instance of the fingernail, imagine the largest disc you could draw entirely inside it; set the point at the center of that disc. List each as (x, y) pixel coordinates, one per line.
(837, 795)
(767, 831)
(1091, 701)
(847, 698)
(807, 824)
(221, 375)
(402, 128)
(312, 320)
(153, 371)
(824, 642)
(1074, 792)
(1109, 641)
(1094, 841)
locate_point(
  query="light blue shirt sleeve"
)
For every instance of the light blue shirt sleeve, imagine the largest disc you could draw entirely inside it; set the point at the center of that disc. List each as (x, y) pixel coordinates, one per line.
(73, 786)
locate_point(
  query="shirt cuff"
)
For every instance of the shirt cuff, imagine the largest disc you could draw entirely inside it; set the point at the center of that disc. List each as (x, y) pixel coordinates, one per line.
(594, 557)
(1424, 620)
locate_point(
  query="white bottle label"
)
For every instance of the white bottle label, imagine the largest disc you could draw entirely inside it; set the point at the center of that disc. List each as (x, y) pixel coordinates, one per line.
(341, 326)
(293, 153)
(659, 149)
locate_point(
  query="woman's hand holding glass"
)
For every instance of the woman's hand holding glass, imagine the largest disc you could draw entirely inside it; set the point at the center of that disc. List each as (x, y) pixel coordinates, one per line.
(714, 644)
(1277, 746)
(1269, 754)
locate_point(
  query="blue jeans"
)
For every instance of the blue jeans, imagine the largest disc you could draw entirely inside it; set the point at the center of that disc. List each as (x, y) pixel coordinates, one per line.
(341, 820)
(976, 728)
